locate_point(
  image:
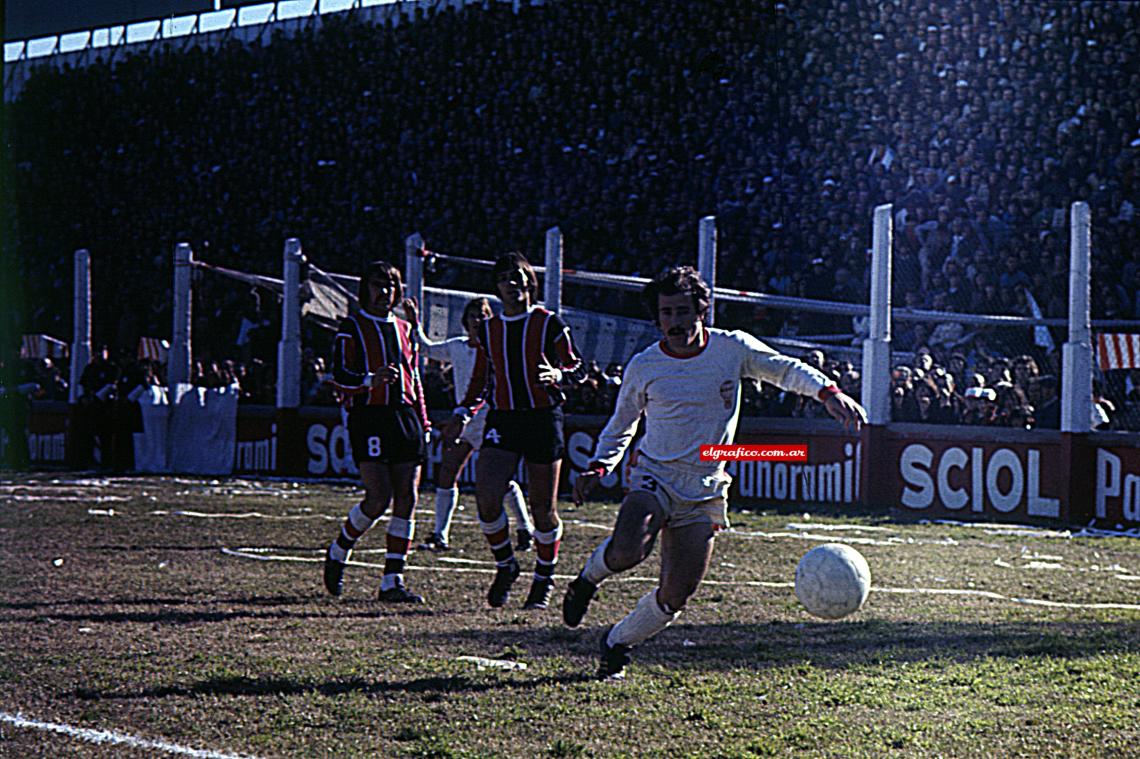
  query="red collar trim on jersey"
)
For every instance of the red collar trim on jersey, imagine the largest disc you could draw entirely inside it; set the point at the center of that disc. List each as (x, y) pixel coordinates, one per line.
(664, 345)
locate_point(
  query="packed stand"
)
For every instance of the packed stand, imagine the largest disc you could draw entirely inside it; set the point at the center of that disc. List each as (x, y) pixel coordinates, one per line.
(623, 123)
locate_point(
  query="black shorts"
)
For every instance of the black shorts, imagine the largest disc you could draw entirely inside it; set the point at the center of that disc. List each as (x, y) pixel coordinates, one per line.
(534, 433)
(388, 434)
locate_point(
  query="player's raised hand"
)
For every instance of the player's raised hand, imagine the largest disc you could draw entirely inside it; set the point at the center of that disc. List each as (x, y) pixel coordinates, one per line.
(584, 483)
(412, 311)
(385, 376)
(548, 375)
(847, 410)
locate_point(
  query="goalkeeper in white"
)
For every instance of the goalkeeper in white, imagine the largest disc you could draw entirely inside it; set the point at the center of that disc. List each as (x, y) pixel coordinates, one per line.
(687, 386)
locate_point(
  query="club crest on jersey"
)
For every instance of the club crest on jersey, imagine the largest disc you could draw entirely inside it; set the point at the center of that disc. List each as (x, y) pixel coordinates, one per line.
(728, 392)
(492, 435)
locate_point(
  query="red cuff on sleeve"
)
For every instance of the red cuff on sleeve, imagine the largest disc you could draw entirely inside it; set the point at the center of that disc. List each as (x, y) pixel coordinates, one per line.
(829, 391)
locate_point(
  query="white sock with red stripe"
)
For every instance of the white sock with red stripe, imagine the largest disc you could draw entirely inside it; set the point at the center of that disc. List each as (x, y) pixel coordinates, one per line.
(399, 540)
(498, 538)
(546, 552)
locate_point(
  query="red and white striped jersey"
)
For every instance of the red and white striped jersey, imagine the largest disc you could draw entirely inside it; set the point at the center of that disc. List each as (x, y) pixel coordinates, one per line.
(511, 348)
(364, 344)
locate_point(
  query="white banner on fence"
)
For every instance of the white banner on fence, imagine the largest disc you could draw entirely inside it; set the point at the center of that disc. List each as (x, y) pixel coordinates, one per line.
(202, 431)
(197, 434)
(150, 444)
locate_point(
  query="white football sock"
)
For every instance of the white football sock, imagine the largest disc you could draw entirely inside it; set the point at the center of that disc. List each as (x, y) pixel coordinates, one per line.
(596, 570)
(646, 620)
(400, 533)
(336, 553)
(499, 523)
(360, 522)
(515, 501)
(402, 528)
(446, 501)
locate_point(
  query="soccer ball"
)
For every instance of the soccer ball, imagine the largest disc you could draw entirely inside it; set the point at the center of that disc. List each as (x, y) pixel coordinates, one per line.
(832, 580)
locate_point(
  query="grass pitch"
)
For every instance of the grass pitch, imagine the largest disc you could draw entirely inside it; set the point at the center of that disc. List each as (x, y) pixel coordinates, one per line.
(167, 615)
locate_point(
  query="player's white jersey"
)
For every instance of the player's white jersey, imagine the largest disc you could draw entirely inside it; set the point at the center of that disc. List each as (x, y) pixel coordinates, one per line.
(459, 351)
(695, 401)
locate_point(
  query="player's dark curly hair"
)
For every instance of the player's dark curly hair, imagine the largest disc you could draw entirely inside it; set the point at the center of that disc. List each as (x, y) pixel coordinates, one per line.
(474, 306)
(508, 262)
(373, 269)
(673, 281)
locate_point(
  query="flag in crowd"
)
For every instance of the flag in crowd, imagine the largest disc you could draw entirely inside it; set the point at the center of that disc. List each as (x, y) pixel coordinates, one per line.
(1118, 350)
(43, 346)
(153, 349)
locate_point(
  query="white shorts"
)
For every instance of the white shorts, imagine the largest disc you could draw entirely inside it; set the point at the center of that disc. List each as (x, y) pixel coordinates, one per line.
(473, 430)
(686, 497)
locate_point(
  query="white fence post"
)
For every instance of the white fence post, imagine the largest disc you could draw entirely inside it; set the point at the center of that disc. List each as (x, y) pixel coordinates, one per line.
(706, 259)
(552, 279)
(289, 349)
(178, 360)
(876, 389)
(1076, 354)
(414, 274)
(81, 329)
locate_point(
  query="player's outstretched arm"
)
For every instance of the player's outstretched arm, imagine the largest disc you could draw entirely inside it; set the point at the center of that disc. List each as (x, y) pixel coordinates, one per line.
(846, 410)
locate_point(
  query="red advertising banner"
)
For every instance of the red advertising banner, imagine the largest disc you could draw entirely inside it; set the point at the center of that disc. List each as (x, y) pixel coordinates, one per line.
(48, 425)
(1116, 504)
(938, 472)
(999, 481)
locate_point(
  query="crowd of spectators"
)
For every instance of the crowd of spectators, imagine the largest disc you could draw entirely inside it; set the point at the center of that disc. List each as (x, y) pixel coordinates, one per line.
(621, 122)
(983, 390)
(595, 395)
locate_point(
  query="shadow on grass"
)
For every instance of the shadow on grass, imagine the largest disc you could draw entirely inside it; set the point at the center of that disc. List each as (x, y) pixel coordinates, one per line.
(742, 646)
(708, 649)
(186, 611)
(169, 601)
(283, 686)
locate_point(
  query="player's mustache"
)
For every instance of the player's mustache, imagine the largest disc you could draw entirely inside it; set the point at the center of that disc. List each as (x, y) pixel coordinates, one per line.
(677, 332)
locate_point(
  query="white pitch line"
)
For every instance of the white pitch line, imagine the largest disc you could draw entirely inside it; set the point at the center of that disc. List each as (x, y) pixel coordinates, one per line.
(243, 553)
(894, 541)
(329, 517)
(838, 527)
(261, 556)
(245, 515)
(109, 736)
(1000, 597)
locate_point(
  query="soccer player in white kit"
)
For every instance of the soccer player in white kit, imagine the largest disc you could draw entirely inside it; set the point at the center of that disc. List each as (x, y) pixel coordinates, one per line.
(688, 388)
(460, 353)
